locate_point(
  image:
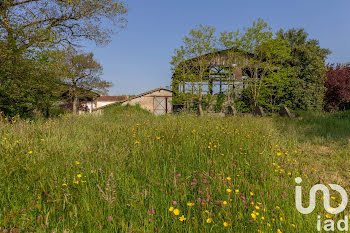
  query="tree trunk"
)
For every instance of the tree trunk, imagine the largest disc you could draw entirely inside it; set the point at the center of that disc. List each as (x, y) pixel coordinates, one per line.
(75, 103)
(200, 108)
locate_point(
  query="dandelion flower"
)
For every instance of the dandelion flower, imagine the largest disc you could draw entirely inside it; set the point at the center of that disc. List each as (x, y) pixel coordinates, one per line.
(279, 231)
(237, 191)
(225, 203)
(225, 224)
(171, 209)
(190, 204)
(176, 211)
(79, 175)
(228, 190)
(209, 220)
(228, 178)
(77, 163)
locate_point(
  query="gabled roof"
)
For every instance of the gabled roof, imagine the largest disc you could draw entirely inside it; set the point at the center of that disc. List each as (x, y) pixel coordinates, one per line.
(134, 97)
(112, 98)
(146, 93)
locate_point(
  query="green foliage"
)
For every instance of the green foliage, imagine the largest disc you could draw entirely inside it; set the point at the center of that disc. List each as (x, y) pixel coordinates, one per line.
(28, 83)
(32, 33)
(285, 69)
(277, 90)
(309, 73)
(220, 99)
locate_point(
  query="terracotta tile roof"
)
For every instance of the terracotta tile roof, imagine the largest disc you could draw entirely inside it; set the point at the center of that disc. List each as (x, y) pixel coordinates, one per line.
(112, 98)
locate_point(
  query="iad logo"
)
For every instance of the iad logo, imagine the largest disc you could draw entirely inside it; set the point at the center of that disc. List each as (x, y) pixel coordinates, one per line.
(326, 200)
(329, 224)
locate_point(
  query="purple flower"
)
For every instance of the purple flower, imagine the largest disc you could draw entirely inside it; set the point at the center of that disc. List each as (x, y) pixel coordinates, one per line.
(174, 203)
(178, 175)
(110, 218)
(204, 181)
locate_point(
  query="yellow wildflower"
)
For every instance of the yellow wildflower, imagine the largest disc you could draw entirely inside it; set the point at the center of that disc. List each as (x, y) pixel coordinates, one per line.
(228, 190)
(225, 224)
(253, 216)
(176, 211)
(224, 202)
(209, 220)
(171, 209)
(79, 175)
(182, 218)
(190, 204)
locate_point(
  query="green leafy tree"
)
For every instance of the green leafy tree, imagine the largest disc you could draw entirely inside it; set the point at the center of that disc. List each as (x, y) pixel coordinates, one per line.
(29, 80)
(265, 54)
(36, 23)
(309, 72)
(82, 73)
(189, 60)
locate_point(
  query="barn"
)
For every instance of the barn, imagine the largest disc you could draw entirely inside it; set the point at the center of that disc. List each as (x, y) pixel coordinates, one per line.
(157, 101)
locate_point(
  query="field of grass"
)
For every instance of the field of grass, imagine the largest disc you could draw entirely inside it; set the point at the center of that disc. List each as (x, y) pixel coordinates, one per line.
(129, 171)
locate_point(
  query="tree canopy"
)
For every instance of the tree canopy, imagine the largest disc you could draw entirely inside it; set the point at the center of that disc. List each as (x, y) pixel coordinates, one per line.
(280, 69)
(34, 35)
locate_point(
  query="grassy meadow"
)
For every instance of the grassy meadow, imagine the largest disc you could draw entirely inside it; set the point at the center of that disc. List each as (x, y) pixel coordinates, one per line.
(129, 171)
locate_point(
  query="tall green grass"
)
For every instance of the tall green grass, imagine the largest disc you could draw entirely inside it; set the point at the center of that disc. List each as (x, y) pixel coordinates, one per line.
(129, 171)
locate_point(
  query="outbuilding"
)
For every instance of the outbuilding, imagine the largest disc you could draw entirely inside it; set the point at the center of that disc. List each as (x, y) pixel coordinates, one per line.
(157, 101)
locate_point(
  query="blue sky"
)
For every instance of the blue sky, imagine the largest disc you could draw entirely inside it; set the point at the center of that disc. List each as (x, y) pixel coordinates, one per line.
(138, 57)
